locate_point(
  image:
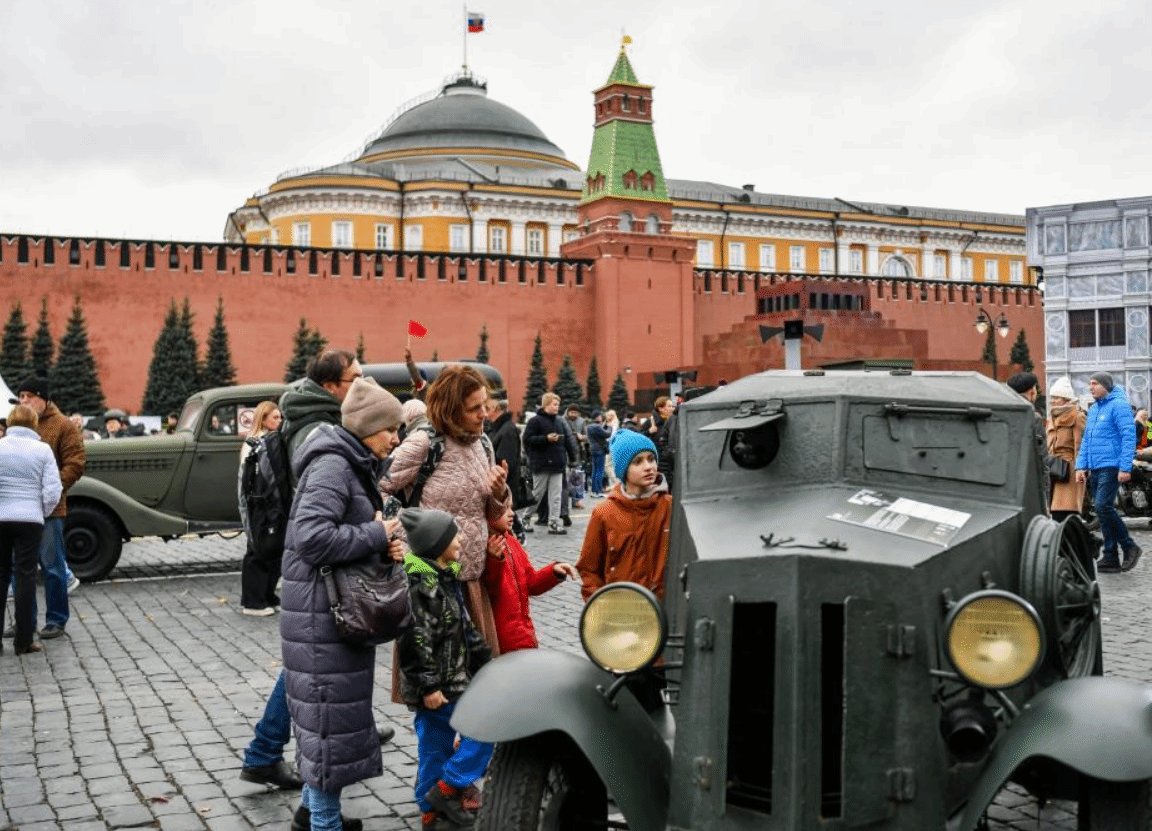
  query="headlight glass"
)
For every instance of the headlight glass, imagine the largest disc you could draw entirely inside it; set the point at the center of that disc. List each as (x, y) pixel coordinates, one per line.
(622, 628)
(994, 639)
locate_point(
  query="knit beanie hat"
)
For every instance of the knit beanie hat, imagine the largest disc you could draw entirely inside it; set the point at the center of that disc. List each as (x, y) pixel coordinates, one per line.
(624, 446)
(1062, 389)
(369, 408)
(428, 531)
(1104, 379)
(35, 384)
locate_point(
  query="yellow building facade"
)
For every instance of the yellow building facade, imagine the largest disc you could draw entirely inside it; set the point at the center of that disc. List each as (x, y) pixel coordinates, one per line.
(459, 172)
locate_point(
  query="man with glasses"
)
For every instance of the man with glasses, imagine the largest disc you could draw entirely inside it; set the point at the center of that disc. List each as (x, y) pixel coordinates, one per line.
(308, 403)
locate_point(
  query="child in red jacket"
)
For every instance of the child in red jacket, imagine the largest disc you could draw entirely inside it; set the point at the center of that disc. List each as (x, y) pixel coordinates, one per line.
(510, 580)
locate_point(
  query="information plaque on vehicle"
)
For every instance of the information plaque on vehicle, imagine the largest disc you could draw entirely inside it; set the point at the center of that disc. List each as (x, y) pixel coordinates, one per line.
(897, 515)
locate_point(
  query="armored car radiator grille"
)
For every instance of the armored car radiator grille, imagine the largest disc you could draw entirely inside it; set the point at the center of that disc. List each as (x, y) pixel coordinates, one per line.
(753, 703)
(751, 700)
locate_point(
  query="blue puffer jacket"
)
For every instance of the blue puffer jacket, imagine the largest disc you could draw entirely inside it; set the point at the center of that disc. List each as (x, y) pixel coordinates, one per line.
(329, 684)
(1109, 434)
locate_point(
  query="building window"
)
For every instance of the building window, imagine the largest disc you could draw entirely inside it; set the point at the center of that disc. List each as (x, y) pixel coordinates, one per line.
(625, 104)
(1016, 271)
(653, 224)
(497, 239)
(896, 266)
(736, 255)
(965, 268)
(939, 266)
(630, 180)
(570, 234)
(704, 256)
(991, 271)
(1096, 327)
(796, 263)
(341, 234)
(383, 236)
(302, 234)
(625, 221)
(535, 241)
(856, 261)
(641, 104)
(826, 260)
(457, 238)
(414, 237)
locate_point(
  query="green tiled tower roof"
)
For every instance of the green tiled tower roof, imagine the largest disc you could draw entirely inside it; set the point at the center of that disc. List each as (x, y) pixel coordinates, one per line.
(622, 147)
(622, 72)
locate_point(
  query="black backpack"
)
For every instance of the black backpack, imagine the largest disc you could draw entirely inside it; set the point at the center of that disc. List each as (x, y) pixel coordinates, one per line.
(266, 493)
(435, 453)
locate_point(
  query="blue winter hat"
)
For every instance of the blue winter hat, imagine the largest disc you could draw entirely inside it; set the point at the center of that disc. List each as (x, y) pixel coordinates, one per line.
(624, 446)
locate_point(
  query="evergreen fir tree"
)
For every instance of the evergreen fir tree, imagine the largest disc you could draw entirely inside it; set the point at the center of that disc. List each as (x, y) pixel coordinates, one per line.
(1020, 353)
(172, 372)
(435, 355)
(360, 347)
(42, 346)
(14, 365)
(618, 397)
(306, 343)
(537, 379)
(300, 355)
(482, 352)
(74, 379)
(567, 386)
(219, 371)
(988, 356)
(188, 361)
(592, 388)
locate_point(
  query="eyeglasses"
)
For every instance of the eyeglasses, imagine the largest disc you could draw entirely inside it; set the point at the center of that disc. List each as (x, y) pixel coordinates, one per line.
(344, 380)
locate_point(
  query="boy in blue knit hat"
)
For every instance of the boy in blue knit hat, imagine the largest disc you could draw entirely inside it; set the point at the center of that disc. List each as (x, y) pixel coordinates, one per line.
(438, 657)
(635, 516)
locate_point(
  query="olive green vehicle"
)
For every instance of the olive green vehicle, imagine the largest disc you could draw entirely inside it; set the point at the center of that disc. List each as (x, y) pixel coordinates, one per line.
(172, 485)
(868, 622)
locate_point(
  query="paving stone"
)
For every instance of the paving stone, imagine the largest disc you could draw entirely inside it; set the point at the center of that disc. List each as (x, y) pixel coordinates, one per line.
(128, 816)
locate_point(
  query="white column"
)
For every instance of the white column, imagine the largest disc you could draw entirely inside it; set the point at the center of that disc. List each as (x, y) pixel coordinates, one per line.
(872, 260)
(927, 263)
(479, 236)
(555, 238)
(844, 257)
(954, 264)
(518, 244)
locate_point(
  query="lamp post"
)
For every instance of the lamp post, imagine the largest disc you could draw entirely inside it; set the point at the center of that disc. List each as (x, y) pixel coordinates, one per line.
(1003, 327)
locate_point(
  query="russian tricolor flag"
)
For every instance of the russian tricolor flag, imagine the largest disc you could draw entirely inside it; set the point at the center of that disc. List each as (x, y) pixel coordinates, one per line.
(475, 21)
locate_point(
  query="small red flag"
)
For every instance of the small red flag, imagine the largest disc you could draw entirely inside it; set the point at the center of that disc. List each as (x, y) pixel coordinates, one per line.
(415, 330)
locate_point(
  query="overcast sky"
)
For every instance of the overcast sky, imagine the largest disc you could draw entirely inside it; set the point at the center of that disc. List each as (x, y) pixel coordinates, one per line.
(154, 119)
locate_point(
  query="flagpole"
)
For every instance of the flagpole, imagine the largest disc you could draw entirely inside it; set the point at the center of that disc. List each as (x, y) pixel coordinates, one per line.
(464, 8)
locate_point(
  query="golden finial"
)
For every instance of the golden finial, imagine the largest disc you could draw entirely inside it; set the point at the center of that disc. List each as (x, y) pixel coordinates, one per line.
(625, 41)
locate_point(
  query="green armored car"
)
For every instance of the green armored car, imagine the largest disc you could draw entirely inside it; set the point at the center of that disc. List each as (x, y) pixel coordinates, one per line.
(172, 485)
(868, 622)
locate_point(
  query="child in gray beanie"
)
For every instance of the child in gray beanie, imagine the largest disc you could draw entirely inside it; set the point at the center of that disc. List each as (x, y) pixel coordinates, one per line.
(438, 657)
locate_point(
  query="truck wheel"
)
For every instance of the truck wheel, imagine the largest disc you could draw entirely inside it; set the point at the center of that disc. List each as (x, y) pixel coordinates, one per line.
(1058, 577)
(91, 541)
(541, 784)
(1114, 806)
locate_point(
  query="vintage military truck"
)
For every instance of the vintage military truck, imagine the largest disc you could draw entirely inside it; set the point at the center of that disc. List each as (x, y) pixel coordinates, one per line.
(868, 621)
(185, 483)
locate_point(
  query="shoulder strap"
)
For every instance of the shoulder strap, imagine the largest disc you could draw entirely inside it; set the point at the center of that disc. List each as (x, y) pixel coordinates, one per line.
(435, 452)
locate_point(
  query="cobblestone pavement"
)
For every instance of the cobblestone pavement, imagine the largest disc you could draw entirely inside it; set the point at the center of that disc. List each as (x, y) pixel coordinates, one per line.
(139, 716)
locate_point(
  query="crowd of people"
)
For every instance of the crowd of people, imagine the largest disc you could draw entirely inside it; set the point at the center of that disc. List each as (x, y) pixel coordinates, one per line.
(451, 456)
(1089, 452)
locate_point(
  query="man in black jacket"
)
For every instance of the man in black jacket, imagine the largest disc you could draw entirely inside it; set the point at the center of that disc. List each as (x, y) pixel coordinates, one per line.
(505, 439)
(547, 457)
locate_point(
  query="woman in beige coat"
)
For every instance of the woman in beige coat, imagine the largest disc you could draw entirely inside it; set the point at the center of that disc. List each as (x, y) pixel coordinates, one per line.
(1065, 430)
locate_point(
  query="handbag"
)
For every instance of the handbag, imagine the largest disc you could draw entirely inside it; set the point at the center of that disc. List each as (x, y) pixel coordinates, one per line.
(1058, 468)
(369, 601)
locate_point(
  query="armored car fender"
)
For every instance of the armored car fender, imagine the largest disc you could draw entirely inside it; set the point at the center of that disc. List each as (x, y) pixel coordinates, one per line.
(536, 691)
(1099, 727)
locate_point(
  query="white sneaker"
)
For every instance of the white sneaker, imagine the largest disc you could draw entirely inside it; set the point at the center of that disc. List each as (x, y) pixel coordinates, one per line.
(267, 610)
(74, 584)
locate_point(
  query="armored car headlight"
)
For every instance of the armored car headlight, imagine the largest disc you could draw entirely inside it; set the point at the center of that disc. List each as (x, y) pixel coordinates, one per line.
(994, 639)
(623, 628)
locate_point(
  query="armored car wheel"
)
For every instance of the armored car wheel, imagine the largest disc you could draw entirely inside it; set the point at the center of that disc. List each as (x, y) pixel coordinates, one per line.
(541, 784)
(92, 541)
(1058, 577)
(1115, 806)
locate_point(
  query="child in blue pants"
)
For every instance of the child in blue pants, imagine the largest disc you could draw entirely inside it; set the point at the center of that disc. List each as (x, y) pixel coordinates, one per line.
(438, 657)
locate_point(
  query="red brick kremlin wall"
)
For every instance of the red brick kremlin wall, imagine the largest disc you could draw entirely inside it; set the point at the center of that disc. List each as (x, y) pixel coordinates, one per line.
(454, 297)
